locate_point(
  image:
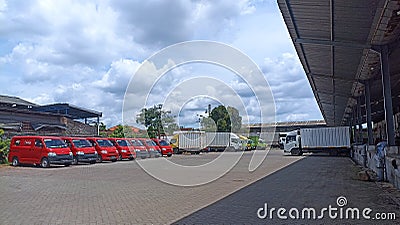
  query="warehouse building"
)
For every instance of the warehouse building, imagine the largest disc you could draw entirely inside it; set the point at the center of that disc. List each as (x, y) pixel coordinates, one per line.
(21, 117)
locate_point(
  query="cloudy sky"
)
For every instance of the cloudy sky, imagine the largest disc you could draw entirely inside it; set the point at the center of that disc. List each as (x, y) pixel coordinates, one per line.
(86, 53)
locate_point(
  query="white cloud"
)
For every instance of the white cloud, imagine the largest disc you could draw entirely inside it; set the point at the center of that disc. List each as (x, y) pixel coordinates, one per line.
(85, 53)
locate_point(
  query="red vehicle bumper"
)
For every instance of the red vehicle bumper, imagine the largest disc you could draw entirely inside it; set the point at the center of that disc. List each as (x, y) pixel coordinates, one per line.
(109, 157)
(127, 154)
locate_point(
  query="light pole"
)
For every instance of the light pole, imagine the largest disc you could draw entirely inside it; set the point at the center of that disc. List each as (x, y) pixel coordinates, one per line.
(199, 120)
(159, 121)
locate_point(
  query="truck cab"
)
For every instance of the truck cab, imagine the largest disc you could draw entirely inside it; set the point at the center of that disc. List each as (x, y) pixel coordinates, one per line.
(292, 144)
(235, 143)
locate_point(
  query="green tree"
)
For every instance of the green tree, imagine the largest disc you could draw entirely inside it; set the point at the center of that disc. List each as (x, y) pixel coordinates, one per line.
(4, 147)
(235, 119)
(122, 131)
(156, 120)
(118, 132)
(102, 127)
(226, 119)
(208, 124)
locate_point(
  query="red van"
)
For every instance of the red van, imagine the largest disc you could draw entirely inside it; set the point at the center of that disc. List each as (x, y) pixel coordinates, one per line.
(124, 148)
(166, 149)
(105, 149)
(82, 150)
(140, 148)
(39, 150)
(152, 147)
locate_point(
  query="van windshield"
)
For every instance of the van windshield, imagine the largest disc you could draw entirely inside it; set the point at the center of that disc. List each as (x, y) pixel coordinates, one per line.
(150, 143)
(104, 143)
(137, 143)
(163, 143)
(81, 143)
(123, 143)
(54, 143)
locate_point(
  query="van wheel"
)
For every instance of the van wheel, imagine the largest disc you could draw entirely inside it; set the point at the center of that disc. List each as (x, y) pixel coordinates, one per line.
(45, 163)
(15, 161)
(74, 161)
(120, 158)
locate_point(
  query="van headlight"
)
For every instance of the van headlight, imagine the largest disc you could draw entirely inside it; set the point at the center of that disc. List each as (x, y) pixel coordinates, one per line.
(124, 151)
(80, 153)
(95, 152)
(104, 151)
(164, 149)
(70, 153)
(52, 154)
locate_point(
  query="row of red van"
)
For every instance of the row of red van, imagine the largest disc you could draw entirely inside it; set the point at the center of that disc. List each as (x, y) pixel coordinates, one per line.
(47, 150)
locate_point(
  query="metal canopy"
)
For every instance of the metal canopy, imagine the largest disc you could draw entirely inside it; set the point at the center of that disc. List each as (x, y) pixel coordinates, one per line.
(69, 110)
(337, 43)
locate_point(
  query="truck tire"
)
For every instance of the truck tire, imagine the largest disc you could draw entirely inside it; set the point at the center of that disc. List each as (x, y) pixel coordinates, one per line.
(296, 151)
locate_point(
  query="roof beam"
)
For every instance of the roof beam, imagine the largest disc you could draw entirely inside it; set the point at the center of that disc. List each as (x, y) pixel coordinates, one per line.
(332, 43)
(331, 77)
(334, 94)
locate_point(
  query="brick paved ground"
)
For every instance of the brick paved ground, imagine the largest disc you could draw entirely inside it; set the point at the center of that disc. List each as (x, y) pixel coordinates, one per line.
(115, 193)
(315, 181)
(121, 193)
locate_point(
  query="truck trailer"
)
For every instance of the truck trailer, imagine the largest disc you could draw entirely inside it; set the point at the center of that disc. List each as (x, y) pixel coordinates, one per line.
(332, 140)
(196, 141)
(220, 141)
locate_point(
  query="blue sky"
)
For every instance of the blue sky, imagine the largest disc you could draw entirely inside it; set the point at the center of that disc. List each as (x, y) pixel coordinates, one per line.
(85, 52)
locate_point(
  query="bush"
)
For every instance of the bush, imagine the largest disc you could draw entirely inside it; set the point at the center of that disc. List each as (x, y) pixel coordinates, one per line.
(4, 148)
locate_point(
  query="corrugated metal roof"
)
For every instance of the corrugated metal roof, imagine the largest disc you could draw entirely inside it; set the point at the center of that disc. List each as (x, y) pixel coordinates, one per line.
(15, 100)
(69, 110)
(334, 41)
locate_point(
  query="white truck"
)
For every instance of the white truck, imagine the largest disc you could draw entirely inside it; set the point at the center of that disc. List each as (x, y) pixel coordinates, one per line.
(196, 141)
(189, 141)
(333, 140)
(219, 141)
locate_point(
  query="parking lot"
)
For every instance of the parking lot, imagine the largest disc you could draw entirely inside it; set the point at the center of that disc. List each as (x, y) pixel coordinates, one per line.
(116, 193)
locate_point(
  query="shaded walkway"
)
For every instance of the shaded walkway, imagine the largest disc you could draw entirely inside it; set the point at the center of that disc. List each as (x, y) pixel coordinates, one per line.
(315, 181)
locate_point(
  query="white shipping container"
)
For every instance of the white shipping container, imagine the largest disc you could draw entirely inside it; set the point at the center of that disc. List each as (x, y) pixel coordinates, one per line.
(192, 140)
(217, 139)
(326, 137)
